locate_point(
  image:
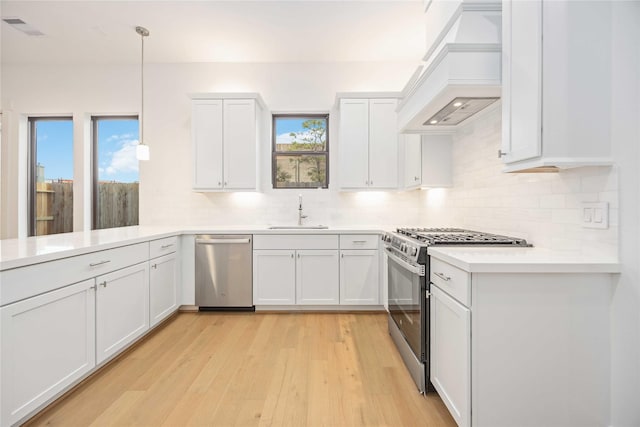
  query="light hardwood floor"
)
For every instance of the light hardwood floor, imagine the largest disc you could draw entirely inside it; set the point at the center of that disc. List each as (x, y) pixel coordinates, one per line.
(255, 370)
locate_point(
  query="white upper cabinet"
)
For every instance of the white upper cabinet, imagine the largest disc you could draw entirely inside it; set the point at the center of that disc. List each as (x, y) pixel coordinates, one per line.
(383, 144)
(207, 143)
(225, 137)
(368, 142)
(411, 155)
(556, 80)
(239, 147)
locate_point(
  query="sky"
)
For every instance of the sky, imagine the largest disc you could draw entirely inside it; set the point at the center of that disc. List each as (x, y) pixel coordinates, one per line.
(284, 126)
(117, 140)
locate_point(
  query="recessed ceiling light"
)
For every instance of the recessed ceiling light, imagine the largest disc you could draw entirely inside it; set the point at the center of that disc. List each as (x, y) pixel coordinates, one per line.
(433, 122)
(20, 25)
(457, 104)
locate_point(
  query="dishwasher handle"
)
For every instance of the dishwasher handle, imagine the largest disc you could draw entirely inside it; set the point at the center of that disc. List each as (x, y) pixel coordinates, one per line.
(222, 241)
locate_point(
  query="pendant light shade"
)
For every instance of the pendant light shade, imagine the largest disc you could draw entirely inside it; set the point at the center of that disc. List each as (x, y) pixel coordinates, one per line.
(142, 150)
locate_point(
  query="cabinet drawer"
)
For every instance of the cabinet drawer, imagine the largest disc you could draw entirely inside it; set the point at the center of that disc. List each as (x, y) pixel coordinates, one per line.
(24, 282)
(359, 241)
(452, 280)
(295, 241)
(163, 246)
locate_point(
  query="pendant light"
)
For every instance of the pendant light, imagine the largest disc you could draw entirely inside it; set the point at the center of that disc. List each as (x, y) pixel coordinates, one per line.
(142, 150)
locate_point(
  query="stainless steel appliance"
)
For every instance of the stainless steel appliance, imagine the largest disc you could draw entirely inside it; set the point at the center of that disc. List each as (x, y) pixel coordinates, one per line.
(224, 276)
(409, 288)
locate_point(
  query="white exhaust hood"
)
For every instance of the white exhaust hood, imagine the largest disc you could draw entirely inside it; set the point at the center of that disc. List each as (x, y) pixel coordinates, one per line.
(462, 72)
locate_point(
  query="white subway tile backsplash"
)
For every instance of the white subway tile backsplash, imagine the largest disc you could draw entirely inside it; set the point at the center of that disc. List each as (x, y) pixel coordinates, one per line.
(543, 208)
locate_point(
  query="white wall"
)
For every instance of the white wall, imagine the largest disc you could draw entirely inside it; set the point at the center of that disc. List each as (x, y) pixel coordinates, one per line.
(544, 207)
(165, 182)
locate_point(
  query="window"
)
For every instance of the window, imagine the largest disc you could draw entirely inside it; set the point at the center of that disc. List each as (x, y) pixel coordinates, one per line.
(115, 171)
(50, 175)
(300, 151)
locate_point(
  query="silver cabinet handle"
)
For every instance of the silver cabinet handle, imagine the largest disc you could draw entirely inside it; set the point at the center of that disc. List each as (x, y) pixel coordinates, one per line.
(416, 178)
(219, 183)
(298, 256)
(291, 255)
(95, 264)
(226, 183)
(93, 287)
(502, 153)
(359, 241)
(104, 284)
(221, 241)
(166, 246)
(442, 276)
(341, 255)
(154, 266)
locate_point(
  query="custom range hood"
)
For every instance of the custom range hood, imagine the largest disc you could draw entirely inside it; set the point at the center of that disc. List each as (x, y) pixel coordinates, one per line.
(461, 75)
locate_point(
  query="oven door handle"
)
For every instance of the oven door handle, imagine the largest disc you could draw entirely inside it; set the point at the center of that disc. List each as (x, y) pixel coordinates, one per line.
(419, 270)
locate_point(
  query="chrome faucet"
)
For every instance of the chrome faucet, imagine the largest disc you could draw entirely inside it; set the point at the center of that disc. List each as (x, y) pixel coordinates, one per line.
(300, 216)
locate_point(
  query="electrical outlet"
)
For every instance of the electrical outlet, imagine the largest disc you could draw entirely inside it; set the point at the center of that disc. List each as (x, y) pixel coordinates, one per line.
(595, 214)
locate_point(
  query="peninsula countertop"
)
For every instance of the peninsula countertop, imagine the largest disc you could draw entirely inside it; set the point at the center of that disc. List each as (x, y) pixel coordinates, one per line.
(32, 250)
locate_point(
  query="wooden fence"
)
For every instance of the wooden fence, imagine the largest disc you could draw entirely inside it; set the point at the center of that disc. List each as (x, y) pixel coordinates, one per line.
(54, 207)
(117, 206)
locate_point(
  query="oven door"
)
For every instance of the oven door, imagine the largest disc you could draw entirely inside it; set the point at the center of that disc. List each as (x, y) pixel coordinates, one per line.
(407, 307)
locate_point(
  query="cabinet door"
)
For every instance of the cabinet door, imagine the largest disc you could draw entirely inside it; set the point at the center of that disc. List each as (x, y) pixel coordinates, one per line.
(353, 143)
(383, 143)
(521, 79)
(48, 343)
(163, 287)
(274, 277)
(317, 277)
(359, 279)
(239, 144)
(451, 354)
(122, 309)
(412, 172)
(206, 129)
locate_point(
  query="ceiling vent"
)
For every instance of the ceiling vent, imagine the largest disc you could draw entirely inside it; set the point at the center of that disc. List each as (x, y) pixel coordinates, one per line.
(20, 25)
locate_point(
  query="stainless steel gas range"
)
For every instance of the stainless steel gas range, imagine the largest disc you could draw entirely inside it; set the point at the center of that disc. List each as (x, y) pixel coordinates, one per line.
(409, 288)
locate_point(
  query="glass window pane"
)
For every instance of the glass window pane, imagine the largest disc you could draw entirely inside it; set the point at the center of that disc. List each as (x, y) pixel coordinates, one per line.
(300, 134)
(116, 168)
(53, 176)
(301, 171)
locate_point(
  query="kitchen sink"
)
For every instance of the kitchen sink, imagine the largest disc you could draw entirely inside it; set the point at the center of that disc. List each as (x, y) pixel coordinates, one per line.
(298, 227)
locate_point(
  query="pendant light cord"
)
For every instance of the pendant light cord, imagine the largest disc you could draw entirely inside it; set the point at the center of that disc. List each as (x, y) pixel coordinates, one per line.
(143, 33)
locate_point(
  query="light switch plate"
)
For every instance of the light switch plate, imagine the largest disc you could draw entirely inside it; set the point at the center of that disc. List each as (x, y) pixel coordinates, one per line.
(595, 214)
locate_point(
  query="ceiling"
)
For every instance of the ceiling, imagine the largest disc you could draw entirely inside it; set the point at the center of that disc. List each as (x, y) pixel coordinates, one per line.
(97, 32)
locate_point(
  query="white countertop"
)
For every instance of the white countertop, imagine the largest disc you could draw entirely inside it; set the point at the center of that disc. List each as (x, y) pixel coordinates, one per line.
(21, 252)
(522, 260)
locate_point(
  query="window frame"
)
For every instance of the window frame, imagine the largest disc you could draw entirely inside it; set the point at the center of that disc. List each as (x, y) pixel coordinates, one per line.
(275, 153)
(32, 137)
(94, 160)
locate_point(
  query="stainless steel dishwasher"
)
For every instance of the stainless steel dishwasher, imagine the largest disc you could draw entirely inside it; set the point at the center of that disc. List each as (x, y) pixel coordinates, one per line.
(224, 272)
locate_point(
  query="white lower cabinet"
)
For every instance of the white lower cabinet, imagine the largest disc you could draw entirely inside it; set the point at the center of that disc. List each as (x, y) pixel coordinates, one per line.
(163, 288)
(451, 354)
(122, 309)
(48, 343)
(317, 278)
(288, 277)
(274, 277)
(359, 277)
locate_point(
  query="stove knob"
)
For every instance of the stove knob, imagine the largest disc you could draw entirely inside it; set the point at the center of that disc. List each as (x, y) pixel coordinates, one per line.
(414, 251)
(403, 247)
